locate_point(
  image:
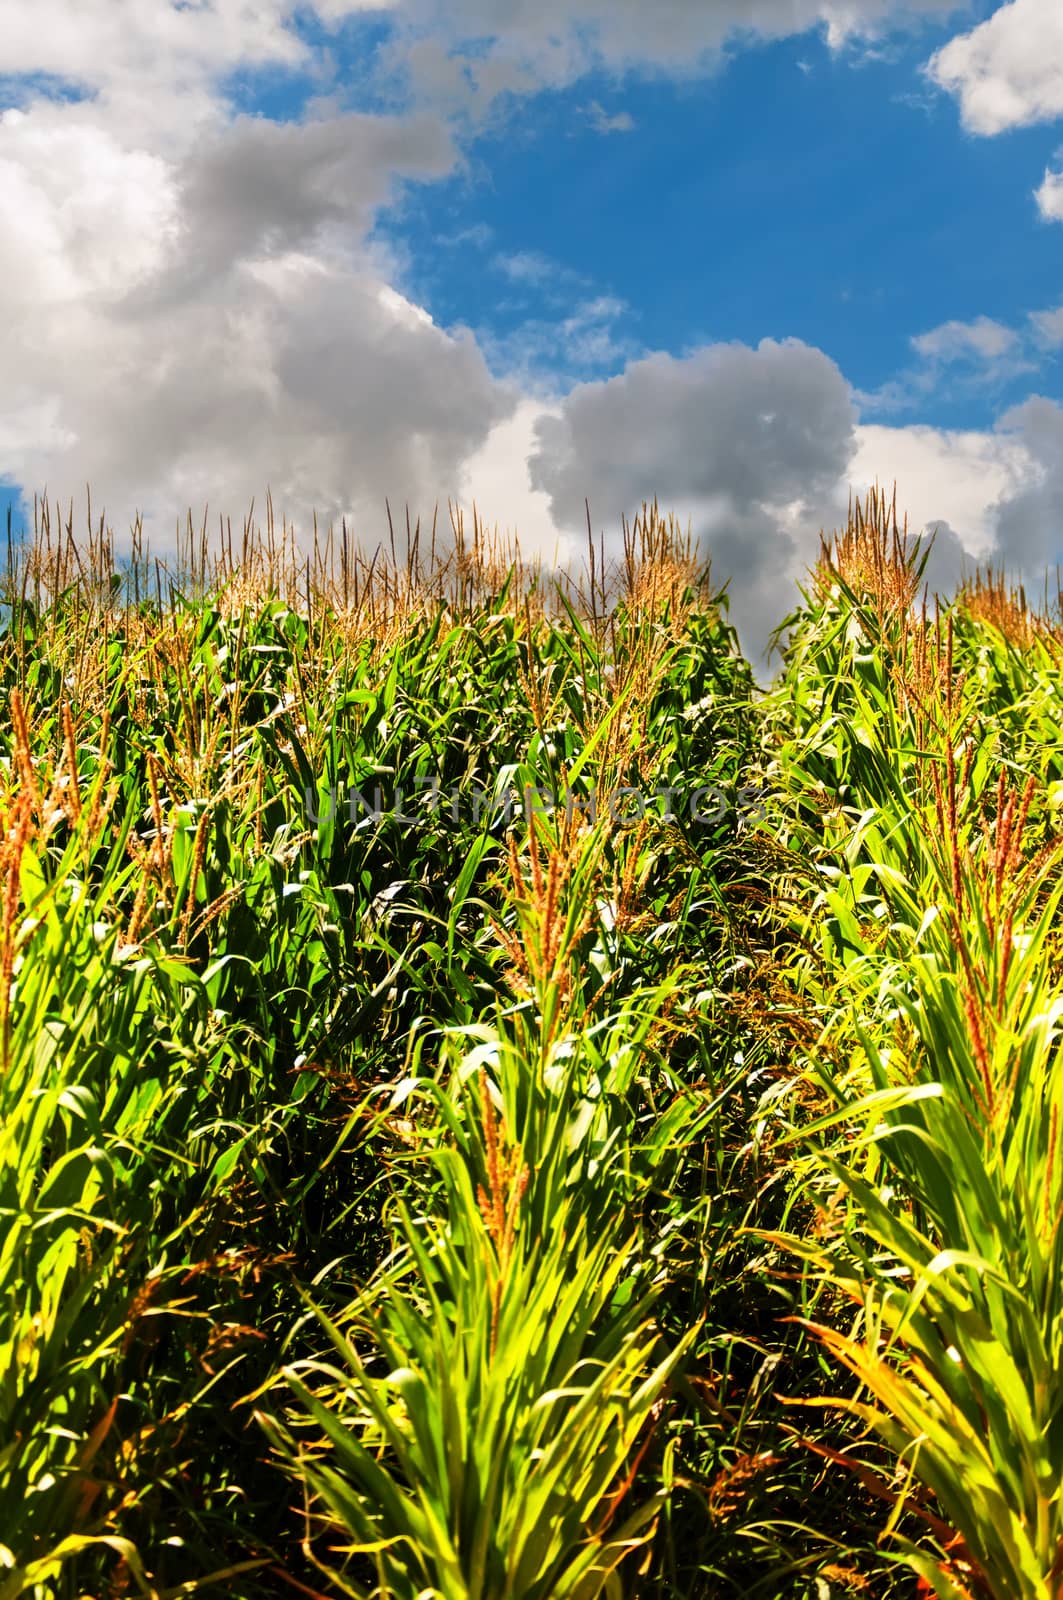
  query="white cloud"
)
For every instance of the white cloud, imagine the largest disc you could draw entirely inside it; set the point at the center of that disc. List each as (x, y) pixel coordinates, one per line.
(95, 217)
(157, 68)
(529, 267)
(1029, 515)
(1049, 326)
(196, 328)
(402, 310)
(603, 121)
(304, 375)
(1007, 72)
(998, 496)
(945, 477)
(628, 33)
(462, 54)
(1049, 197)
(497, 481)
(95, 42)
(956, 359)
(983, 340)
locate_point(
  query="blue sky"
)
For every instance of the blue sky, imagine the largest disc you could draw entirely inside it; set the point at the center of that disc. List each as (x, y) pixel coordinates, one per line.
(794, 192)
(744, 255)
(11, 501)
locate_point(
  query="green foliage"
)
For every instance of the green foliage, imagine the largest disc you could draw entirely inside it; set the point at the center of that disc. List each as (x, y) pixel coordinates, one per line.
(408, 1189)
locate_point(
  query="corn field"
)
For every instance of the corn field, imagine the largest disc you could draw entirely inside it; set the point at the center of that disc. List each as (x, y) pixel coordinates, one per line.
(498, 1104)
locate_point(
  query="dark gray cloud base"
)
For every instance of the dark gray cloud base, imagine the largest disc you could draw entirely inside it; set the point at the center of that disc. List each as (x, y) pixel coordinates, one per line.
(752, 444)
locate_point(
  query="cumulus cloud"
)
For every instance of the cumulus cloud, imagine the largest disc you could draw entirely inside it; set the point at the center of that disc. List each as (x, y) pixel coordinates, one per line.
(466, 55)
(261, 187)
(998, 495)
(1029, 518)
(196, 329)
(949, 484)
(760, 448)
(159, 70)
(750, 444)
(310, 377)
(204, 314)
(98, 42)
(564, 36)
(497, 483)
(148, 68)
(1049, 196)
(1008, 71)
(95, 217)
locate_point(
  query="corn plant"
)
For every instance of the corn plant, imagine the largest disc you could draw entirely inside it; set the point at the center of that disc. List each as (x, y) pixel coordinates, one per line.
(939, 914)
(477, 1430)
